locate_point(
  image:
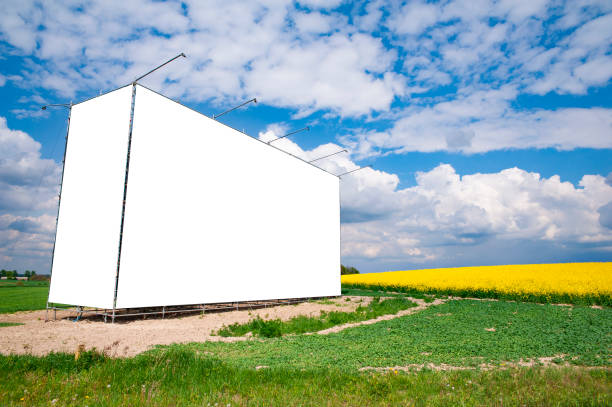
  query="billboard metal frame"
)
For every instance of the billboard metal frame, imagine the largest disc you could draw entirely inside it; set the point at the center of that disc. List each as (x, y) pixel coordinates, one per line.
(124, 312)
(78, 312)
(59, 200)
(125, 189)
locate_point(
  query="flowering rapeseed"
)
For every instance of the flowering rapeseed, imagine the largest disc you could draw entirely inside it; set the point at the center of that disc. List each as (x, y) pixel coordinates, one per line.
(587, 283)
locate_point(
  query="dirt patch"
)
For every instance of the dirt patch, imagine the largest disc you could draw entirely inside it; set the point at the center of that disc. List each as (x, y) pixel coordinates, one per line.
(545, 361)
(124, 339)
(415, 367)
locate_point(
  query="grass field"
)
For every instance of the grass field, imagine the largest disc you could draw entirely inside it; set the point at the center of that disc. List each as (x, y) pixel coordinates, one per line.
(311, 370)
(454, 333)
(22, 295)
(462, 352)
(576, 283)
(179, 377)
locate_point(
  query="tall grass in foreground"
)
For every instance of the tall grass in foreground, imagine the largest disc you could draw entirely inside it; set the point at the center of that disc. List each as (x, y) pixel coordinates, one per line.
(183, 378)
(302, 324)
(576, 283)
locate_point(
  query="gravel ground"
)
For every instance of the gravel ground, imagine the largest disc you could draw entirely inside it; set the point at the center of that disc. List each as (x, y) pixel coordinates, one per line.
(128, 338)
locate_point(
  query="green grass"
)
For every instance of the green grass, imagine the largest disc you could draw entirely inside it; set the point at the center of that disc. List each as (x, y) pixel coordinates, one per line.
(178, 377)
(452, 333)
(364, 292)
(302, 324)
(315, 370)
(14, 297)
(587, 299)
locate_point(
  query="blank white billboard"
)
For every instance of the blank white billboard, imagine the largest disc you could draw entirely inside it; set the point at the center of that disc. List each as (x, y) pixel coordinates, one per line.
(89, 222)
(213, 215)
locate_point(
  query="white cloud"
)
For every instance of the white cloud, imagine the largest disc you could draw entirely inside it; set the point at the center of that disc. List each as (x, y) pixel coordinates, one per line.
(321, 4)
(234, 49)
(272, 49)
(582, 61)
(28, 201)
(446, 217)
(328, 73)
(370, 19)
(414, 17)
(595, 72)
(25, 113)
(485, 121)
(519, 10)
(315, 23)
(445, 213)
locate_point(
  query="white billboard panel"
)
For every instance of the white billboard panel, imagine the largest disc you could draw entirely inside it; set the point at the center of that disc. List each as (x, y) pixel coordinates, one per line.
(87, 239)
(213, 215)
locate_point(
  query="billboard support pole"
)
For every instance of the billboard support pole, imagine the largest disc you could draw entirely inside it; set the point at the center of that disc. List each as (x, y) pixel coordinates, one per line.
(155, 69)
(216, 116)
(349, 172)
(307, 128)
(329, 155)
(59, 200)
(125, 183)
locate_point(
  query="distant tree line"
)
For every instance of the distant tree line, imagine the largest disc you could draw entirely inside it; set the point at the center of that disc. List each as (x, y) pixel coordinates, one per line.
(13, 274)
(348, 270)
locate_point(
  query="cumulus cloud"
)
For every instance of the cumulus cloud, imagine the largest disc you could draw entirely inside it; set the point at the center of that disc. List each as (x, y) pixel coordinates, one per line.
(321, 4)
(443, 218)
(605, 215)
(309, 56)
(484, 121)
(28, 201)
(414, 18)
(234, 49)
(446, 215)
(448, 219)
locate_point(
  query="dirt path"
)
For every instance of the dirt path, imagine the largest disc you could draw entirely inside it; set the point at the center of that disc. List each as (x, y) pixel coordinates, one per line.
(421, 305)
(545, 361)
(124, 339)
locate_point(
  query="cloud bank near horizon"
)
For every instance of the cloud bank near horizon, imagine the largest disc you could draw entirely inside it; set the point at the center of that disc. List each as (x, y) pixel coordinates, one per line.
(417, 226)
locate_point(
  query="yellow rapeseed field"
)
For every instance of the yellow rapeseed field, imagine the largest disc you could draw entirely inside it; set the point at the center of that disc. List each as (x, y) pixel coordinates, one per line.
(589, 283)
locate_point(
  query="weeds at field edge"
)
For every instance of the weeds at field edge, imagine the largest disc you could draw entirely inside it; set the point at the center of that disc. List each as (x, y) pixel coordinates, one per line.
(597, 299)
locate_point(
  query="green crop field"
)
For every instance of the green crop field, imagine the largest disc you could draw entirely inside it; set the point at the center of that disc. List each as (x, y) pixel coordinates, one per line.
(22, 295)
(456, 333)
(469, 352)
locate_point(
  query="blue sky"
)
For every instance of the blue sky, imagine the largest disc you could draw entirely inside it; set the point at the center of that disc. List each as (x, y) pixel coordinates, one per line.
(488, 123)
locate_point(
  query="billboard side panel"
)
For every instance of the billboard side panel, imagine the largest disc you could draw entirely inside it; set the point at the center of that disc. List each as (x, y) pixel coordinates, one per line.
(86, 248)
(213, 215)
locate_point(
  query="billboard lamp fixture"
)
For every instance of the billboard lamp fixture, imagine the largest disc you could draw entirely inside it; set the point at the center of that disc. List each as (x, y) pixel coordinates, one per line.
(329, 155)
(57, 105)
(360, 168)
(254, 100)
(307, 128)
(155, 69)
